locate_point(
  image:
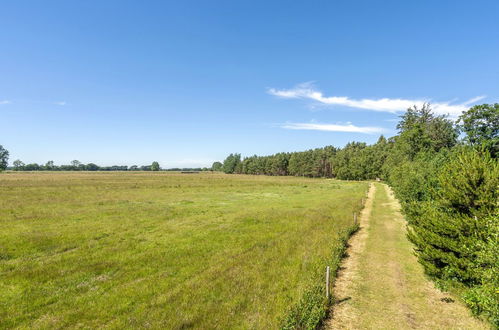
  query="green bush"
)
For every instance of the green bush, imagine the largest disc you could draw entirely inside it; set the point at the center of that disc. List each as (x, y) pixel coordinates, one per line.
(484, 297)
(453, 221)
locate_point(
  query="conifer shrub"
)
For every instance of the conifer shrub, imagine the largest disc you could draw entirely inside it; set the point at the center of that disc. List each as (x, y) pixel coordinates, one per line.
(455, 228)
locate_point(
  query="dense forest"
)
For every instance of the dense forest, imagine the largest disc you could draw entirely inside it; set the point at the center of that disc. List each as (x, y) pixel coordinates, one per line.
(446, 176)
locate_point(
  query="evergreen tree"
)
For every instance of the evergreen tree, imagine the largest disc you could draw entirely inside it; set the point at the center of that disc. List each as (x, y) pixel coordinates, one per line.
(452, 221)
(421, 131)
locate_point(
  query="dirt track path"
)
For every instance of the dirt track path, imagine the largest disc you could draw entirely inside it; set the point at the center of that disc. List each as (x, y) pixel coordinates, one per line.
(382, 286)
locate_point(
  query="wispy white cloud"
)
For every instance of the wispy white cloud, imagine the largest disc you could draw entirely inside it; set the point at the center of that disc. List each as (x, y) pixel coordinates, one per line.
(308, 91)
(60, 103)
(333, 128)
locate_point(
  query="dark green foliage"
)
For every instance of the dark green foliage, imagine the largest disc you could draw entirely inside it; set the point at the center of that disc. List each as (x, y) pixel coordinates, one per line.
(449, 195)
(50, 166)
(310, 163)
(348, 163)
(358, 161)
(328, 162)
(216, 166)
(279, 164)
(18, 165)
(413, 180)
(155, 166)
(481, 125)
(422, 131)
(450, 201)
(468, 183)
(483, 298)
(303, 163)
(4, 158)
(92, 167)
(232, 164)
(32, 167)
(76, 165)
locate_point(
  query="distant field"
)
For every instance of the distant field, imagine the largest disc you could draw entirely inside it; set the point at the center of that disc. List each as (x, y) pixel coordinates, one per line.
(163, 249)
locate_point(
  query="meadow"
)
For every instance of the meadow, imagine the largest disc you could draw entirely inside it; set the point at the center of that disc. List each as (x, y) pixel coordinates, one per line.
(165, 250)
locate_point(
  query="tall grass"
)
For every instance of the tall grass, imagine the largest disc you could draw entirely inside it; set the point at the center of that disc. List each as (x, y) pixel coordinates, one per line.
(311, 310)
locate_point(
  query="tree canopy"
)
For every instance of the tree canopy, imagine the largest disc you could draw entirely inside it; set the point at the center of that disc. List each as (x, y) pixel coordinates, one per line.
(4, 158)
(481, 126)
(155, 166)
(216, 166)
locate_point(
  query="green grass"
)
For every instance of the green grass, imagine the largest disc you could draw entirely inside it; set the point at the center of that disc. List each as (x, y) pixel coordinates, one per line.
(163, 250)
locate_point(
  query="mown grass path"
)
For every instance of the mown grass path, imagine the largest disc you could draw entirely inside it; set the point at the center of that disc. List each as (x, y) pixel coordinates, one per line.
(381, 284)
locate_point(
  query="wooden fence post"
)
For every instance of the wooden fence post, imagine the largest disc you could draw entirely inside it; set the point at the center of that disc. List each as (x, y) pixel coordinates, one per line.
(355, 218)
(327, 282)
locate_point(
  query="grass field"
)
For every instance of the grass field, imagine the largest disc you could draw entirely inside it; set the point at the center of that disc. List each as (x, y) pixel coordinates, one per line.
(86, 250)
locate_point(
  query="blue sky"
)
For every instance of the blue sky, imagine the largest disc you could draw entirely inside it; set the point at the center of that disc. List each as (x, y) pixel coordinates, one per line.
(187, 82)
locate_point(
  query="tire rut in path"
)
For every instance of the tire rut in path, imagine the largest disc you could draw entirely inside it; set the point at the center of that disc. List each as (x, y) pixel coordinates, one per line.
(382, 286)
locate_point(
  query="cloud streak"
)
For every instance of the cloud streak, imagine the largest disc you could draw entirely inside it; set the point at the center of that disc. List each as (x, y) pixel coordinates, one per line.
(333, 128)
(59, 103)
(308, 91)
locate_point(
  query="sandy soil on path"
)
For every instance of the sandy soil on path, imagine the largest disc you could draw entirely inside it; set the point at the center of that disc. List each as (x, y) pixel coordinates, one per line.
(382, 286)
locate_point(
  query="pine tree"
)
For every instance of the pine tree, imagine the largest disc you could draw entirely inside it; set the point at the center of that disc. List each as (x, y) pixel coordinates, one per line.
(447, 228)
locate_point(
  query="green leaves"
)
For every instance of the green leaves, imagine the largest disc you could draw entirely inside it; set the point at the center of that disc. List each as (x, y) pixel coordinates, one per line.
(468, 183)
(481, 126)
(155, 166)
(217, 166)
(4, 158)
(232, 164)
(450, 201)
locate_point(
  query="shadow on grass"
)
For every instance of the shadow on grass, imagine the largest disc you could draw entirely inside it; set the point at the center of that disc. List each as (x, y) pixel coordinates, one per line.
(342, 300)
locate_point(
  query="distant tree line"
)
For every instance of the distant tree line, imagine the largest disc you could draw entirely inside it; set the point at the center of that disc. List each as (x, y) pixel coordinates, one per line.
(76, 165)
(448, 187)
